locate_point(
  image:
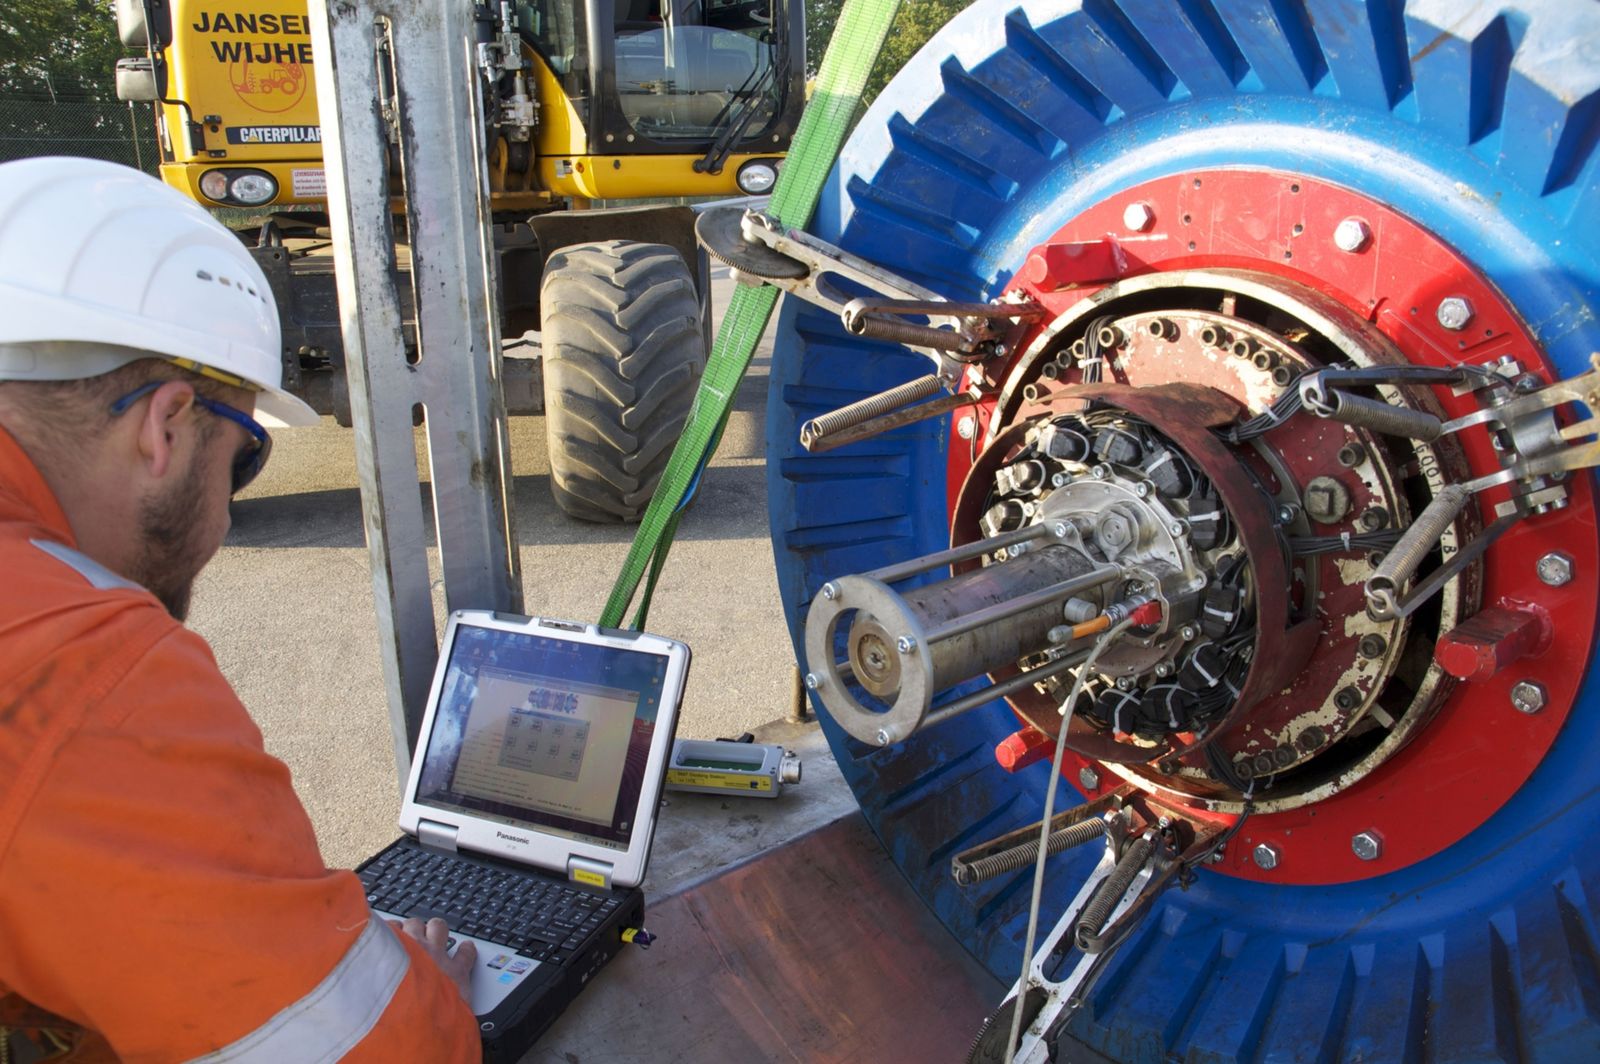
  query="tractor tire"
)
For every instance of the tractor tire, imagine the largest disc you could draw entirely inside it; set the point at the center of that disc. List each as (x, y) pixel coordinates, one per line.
(623, 351)
(1479, 125)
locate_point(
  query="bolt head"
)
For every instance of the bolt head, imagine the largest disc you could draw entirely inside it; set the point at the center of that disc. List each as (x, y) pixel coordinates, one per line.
(1351, 235)
(1138, 217)
(830, 591)
(1098, 472)
(1187, 632)
(1089, 778)
(1368, 845)
(1142, 490)
(905, 644)
(1060, 480)
(883, 737)
(966, 426)
(1164, 669)
(1454, 313)
(1059, 529)
(1555, 568)
(811, 681)
(1529, 696)
(1266, 856)
(1176, 528)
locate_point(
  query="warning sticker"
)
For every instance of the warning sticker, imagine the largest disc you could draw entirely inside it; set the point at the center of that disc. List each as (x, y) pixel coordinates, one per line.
(309, 184)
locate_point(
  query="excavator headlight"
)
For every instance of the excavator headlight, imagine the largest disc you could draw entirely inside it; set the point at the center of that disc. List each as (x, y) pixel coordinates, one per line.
(214, 184)
(757, 177)
(249, 188)
(252, 188)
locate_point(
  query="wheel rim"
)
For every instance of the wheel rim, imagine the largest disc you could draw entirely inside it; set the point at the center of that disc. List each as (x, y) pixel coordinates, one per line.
(1012, 123)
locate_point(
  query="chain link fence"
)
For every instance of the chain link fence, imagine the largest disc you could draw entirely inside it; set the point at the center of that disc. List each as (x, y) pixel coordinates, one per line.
(45, 124)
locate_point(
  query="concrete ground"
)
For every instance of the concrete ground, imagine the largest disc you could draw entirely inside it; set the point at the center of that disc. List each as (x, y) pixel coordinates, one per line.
(288, 606)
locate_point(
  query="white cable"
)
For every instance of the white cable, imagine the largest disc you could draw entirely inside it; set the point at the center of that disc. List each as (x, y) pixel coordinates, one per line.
(1044, 835)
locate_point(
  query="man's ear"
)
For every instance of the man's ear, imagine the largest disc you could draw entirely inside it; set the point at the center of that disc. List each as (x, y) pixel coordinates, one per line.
(168, 418)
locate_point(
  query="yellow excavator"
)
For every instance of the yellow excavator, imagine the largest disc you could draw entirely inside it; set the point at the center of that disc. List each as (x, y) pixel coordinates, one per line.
(582, 101)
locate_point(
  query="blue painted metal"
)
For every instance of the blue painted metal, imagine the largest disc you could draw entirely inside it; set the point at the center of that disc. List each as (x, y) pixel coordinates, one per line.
(1480, 122)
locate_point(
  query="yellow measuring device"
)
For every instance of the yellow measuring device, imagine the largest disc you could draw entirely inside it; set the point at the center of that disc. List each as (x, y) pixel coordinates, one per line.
(718, 766)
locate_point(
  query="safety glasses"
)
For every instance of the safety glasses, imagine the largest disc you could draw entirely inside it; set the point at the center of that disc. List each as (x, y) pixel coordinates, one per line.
(252, 456)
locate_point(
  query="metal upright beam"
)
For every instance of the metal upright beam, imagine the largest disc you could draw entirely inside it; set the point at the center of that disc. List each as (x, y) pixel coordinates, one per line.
(417, 95)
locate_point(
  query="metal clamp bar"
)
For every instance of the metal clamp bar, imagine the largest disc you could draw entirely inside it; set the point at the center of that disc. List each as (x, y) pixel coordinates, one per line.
(1023, 603)
(939, 714)
(890, 574)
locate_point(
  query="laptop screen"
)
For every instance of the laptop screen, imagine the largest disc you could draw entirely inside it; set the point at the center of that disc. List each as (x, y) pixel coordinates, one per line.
(543, 733)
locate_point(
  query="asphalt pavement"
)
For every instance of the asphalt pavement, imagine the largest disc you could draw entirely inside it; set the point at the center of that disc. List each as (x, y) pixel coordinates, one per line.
(287, 605)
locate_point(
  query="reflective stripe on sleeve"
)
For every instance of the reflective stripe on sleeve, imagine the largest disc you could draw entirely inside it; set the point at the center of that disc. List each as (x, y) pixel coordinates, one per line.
(338, 1013)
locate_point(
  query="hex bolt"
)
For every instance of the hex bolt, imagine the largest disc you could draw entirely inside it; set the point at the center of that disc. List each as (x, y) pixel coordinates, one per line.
(1142, 489)
(811, 681)
(1266, 856)
(905, 644)
(1555, 568)
(1347, 698)
(1368, 845)
(1282, 376)
(1264, 358)
(1138, 216)
(1059, 529)
(1372, 645)
(1312, 738)
(1060, 480)
(1529, 696)
(966, 427)
(1176, 528)
(1089, 778)
(1351, 235)
(1243, 347)
(830, 591)
(1454, 313)
(1187, 632)
(1099, 472)
(1351, 455)
(1374, 518)
(1164, 669)
(1214, 336)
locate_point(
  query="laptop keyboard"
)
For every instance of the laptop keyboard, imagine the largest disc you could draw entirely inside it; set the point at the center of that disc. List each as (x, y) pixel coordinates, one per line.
(537, 916)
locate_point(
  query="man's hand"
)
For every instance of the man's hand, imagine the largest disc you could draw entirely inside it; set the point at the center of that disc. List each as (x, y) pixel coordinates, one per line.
(435, 938)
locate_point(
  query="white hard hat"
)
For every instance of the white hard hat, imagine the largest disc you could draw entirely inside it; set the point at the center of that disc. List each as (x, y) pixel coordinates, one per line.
(101, 264)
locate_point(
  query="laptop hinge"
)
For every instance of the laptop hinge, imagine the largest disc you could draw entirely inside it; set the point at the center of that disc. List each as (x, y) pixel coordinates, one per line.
(436, 836)
(590, 873)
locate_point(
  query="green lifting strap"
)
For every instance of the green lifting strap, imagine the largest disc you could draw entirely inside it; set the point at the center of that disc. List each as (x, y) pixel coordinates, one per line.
(859, 36)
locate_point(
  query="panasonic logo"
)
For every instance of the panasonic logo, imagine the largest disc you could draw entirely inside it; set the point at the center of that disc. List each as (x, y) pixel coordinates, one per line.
(511, 838)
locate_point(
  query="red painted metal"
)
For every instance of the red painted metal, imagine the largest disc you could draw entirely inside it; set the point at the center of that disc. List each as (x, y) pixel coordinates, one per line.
(1478, 750)
(1490, 640)
(1023, 748)
(1068, 263)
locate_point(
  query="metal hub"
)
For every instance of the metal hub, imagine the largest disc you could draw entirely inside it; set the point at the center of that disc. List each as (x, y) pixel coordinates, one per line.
(1320, 754)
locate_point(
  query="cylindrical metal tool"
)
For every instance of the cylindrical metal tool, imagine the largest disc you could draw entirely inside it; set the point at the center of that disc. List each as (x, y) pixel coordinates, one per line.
(905, 647)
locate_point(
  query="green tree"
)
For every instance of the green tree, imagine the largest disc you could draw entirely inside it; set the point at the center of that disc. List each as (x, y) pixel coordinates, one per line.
(59, 47)
(914, 24)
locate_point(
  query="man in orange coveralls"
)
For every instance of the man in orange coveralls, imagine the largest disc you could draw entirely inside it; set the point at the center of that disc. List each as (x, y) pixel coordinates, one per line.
(161, 893)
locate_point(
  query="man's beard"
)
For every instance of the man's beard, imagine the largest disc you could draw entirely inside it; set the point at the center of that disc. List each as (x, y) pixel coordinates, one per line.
(170, 526)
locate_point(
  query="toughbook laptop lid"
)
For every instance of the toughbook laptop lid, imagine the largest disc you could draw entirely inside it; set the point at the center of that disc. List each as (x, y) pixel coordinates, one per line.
(546, 743)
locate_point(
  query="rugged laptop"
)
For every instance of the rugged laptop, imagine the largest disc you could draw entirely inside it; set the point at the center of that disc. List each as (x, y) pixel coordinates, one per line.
(530, 806)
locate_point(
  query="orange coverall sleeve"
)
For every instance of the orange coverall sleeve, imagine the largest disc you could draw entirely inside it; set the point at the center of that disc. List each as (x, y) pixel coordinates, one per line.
(163, 887)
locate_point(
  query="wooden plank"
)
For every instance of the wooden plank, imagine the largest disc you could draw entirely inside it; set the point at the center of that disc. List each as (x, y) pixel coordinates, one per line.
(815, 952)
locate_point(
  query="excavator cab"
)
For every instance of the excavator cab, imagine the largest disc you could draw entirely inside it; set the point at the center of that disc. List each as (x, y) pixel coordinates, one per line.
(585, 99)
